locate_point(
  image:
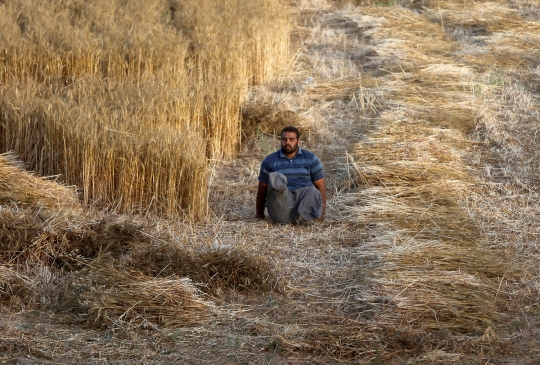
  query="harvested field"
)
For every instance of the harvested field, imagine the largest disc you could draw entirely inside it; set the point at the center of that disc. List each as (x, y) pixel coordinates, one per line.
(425, 115)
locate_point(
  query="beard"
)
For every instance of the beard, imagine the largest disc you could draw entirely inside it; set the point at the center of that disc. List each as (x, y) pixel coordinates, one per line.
(289, 149)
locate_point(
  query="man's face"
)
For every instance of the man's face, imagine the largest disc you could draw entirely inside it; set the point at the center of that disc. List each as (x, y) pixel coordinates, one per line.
(289, 143)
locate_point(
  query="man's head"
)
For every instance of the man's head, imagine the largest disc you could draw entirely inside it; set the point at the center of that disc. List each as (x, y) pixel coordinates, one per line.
(290, 136)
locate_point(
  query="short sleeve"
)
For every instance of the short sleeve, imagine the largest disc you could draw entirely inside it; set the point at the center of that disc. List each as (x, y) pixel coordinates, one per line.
(264, 171)
(316, 169)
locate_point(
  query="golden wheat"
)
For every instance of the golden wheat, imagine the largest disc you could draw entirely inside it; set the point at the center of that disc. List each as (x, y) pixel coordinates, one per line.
(129, 101)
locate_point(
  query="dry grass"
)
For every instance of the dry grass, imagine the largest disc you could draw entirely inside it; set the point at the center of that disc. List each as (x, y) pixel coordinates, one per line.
(415, 180)
(412, 173)
(13, 286)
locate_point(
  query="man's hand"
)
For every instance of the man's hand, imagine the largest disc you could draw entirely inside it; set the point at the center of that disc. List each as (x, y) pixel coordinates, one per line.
(321, 186)
(261, 199)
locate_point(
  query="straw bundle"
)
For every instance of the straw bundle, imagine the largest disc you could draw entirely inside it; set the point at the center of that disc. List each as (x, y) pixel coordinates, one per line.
(338, 337)
(344, 88)
(450, 300)
(26, 190)
(135, 301)
(74, 247)
(267, 118)
(30, 286)
(27, 237)
(18, 229)
(216, 271)
(13, 286)
(403, 156)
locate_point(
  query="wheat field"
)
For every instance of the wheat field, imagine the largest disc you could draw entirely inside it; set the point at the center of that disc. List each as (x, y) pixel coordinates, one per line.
(131, 101)
(131, 143)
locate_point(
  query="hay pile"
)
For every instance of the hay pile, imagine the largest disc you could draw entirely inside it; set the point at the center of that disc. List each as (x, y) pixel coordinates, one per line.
(32, 209)
(215, 270)
(109, 297)
(265, 117)
(29, 191)
(13, 286)
(108, 272)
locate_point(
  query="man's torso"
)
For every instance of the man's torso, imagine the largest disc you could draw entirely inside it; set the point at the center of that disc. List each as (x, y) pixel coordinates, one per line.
(301, 170)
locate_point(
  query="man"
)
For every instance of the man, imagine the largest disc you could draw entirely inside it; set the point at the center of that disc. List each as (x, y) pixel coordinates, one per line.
(291, 183)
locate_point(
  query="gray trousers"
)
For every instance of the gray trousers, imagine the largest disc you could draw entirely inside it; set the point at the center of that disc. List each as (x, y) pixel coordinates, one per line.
(285, 206)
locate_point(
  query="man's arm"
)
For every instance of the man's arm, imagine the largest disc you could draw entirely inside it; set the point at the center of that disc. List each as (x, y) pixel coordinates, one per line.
(321, 186)
(261, 199)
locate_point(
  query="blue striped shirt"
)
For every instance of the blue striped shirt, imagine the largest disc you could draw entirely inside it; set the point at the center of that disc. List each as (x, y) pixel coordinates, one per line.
(301, 170)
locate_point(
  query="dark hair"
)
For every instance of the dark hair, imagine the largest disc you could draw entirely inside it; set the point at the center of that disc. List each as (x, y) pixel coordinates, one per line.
(290, 129)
